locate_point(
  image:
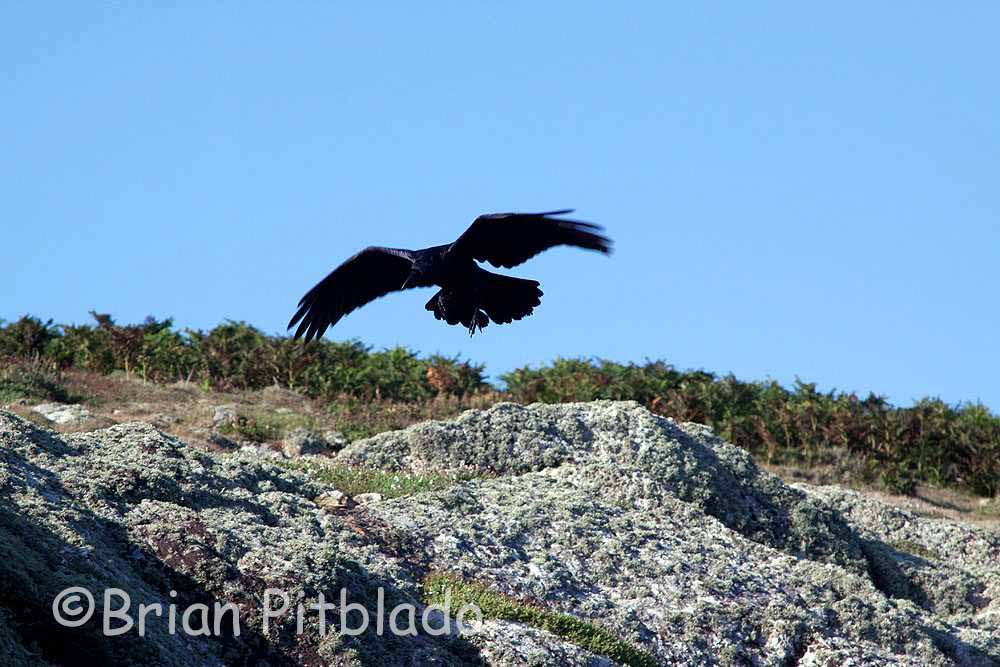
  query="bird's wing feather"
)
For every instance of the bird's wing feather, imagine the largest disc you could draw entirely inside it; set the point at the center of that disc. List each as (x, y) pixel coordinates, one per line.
(366, 276)
(508, 239)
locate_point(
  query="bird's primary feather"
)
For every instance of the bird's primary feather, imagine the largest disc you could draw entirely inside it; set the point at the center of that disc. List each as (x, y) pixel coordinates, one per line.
(366, 276)
(508, 239)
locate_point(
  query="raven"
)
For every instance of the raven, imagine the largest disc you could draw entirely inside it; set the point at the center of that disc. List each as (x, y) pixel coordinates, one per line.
(469, 294)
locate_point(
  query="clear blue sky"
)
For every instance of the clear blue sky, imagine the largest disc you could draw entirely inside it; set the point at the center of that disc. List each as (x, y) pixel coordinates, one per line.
(794, 190)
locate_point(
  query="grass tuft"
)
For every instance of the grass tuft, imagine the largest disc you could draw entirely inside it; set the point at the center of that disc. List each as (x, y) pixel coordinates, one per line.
(913, 548)
(264, 426)
(494, 605)
(989, 508)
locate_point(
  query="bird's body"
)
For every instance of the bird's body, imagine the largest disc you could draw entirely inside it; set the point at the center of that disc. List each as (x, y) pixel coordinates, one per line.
(468, 294)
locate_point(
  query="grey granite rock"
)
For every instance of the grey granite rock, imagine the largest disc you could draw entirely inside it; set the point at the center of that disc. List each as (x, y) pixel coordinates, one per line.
(62, 413)
(659, 532)
(132, 509)
(223, 415)
(335, 439)
(677, 541)
(303, 441)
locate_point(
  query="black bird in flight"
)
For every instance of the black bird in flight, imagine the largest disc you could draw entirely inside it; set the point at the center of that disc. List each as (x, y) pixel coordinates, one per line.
(469, 294)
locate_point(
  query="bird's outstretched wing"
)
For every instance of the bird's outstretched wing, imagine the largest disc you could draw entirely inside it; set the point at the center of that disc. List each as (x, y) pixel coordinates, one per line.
(508, 239)
(366, 276)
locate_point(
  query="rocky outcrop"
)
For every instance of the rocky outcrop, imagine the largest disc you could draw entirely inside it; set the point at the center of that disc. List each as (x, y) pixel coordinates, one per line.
(62, 413)
(659, 534)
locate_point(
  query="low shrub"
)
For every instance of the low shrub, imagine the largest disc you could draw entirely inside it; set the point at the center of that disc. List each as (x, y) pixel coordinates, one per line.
(31, 379)
(27, 338)
(236, 356)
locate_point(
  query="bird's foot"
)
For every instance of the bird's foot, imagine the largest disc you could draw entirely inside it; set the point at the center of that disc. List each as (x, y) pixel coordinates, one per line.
(478, 322)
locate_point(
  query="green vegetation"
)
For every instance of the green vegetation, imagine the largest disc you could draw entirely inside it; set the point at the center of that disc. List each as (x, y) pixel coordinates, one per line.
(32, 378)
(264, 426)
(989, 509)
(913, 548)
(356, 480)
(235, 355)
(367, 392)
(494, 605)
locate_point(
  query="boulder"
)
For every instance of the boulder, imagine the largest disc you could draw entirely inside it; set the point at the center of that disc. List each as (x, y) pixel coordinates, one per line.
(600, 515)
(63, 413)
(303, 441)
(223, 415)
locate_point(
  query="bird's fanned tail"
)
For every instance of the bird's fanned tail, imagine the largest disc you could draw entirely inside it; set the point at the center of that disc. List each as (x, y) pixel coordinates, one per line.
(501, 299)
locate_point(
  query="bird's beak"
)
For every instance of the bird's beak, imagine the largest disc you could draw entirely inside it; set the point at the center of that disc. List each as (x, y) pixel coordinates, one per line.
(406, 283)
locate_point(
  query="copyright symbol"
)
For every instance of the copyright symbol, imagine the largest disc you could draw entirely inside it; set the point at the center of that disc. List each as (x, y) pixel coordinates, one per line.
(73, 607)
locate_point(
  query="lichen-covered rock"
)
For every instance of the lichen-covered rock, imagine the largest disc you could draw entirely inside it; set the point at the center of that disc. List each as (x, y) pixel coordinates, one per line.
(303, 441)
(336, 439)
(677, 541)
(63, 413)
(661, 533)
(132, 509)
(945, 567)
(504, 643)
(224, 415)
(624, 454)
